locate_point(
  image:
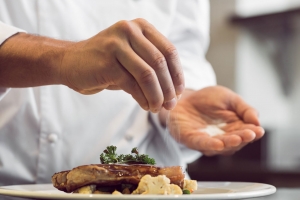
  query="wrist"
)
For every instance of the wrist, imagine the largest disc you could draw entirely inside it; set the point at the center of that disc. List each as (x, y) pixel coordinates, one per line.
(52, 58)
(27, 60)
(68, 61)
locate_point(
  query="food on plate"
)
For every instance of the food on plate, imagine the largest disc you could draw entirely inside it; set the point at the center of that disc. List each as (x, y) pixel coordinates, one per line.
(123, 174)
(112, 175)
(161, 185)
(109, 156)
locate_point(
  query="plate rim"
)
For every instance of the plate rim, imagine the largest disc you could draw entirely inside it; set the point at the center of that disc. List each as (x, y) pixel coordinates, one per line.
(270, 189)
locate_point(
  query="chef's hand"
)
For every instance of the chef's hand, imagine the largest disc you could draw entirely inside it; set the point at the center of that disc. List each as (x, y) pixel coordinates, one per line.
(210, 110)
(131, 56)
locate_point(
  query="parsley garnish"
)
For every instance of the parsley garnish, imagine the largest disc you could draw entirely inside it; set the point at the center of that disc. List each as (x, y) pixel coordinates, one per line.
(109, 156)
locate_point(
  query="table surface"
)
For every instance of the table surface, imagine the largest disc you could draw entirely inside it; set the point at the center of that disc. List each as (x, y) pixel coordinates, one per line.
(282, 194)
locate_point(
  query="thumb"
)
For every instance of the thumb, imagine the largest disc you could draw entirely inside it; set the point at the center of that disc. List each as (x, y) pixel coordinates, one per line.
(251, 116)
(247, 113)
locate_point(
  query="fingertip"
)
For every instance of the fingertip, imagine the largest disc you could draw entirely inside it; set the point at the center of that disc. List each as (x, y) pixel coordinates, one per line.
(251, 116)
(217, 145)
(144, 105)
(146, 108)
(179, 90)
(248, 135)
(142, 102)
(179, 97)
(235, 141)
(170, 105)
(260, 133)
(155, 110)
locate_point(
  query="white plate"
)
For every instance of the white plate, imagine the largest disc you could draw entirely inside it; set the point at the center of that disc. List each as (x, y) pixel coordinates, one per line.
(206, 190)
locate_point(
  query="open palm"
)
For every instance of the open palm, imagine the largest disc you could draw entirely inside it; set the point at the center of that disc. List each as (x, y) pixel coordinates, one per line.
(214, 120)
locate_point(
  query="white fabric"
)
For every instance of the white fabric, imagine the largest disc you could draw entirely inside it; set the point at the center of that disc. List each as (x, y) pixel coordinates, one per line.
(7, 31)
(52, 128)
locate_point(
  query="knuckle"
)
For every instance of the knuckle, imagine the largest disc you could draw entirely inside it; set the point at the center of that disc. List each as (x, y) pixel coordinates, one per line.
(126, 27)
(169, 92)
(147, 76)
(141, 21)
(178, 78)
(135, 88)
(171, 53)
(159, 63)
(112, 44)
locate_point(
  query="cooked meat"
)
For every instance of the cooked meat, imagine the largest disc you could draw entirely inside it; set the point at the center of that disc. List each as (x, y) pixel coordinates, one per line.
(112, 174)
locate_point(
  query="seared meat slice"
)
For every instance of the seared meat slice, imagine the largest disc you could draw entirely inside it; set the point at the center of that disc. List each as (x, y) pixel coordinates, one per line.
(112, 174)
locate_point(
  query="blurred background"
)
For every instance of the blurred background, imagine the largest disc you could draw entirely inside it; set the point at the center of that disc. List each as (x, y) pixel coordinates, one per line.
(255, 51)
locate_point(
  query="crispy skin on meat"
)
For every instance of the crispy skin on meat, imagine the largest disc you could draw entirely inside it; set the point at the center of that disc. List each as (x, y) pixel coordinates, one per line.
(112, 174)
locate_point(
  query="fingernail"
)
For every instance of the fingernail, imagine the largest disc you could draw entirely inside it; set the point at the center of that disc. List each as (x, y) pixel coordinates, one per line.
(169, 105)
(156, 110)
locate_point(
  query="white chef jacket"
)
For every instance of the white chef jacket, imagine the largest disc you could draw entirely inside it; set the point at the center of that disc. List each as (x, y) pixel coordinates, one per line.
(48, 129)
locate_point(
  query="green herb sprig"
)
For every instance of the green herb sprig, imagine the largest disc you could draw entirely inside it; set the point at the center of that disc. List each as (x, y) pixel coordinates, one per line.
(109, 156)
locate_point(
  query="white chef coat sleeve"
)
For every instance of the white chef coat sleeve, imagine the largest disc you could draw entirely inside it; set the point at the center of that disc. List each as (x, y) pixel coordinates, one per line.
(189, 32)
(6, 31)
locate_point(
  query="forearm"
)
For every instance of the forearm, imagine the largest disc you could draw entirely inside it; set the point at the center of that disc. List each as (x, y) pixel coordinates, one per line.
(28, 60)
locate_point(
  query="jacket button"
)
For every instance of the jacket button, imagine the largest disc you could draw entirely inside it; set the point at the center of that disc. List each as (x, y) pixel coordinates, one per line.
(128, 138)
(52, 137)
